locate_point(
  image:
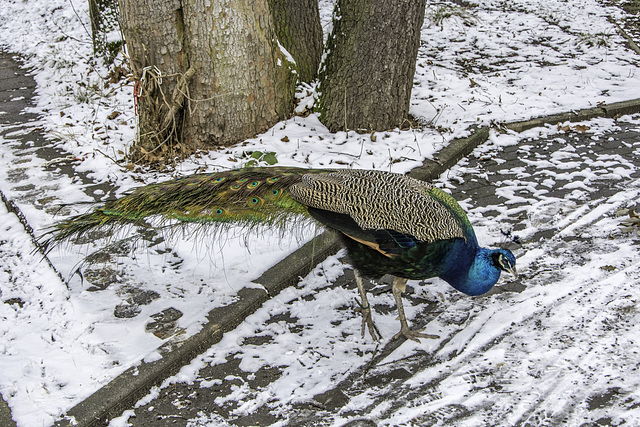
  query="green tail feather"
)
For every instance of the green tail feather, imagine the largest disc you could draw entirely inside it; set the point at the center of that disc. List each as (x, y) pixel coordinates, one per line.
(249, 197)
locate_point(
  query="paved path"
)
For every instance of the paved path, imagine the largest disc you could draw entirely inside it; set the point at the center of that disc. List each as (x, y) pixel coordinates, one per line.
(16, 91)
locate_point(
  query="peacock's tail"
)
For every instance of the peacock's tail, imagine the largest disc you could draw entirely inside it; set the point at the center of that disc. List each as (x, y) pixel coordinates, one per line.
(248, 197)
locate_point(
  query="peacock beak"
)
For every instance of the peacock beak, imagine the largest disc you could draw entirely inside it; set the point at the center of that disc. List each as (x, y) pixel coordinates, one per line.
(513, 271)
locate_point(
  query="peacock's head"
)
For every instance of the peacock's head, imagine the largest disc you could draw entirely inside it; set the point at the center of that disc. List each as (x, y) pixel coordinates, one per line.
(483, 273)
(505, 261)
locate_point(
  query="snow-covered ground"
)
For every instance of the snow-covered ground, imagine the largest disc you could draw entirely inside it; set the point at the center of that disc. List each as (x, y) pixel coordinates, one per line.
(494, 62)
(558, 346)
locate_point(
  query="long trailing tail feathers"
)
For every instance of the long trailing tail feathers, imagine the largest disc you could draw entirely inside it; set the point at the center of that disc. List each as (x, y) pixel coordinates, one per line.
(247, 197)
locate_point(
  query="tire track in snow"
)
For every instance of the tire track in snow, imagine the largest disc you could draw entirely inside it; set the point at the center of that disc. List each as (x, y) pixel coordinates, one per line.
(548, 397)
(584, 219)
(499, 380)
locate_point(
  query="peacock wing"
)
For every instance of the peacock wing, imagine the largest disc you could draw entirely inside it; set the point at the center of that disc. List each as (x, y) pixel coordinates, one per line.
(378, 200)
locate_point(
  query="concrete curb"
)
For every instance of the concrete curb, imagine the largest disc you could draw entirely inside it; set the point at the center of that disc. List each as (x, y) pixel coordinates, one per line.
(459, 148)
(126, 389)
(613, 110)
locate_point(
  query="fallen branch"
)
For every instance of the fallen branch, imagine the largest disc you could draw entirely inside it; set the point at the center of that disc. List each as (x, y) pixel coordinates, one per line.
(623, 33)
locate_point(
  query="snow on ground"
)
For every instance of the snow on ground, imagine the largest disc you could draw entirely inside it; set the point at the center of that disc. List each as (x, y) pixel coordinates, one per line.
(559, 346)
(497, 61)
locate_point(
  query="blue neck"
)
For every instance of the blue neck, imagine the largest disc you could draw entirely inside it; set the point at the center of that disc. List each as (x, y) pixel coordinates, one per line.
(475, 276)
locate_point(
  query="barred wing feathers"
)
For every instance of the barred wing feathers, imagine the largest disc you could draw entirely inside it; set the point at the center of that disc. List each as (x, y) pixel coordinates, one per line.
(386, 201)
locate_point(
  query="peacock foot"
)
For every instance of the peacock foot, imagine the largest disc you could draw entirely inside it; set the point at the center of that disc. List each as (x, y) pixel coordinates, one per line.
(413, 334)
(367, 322)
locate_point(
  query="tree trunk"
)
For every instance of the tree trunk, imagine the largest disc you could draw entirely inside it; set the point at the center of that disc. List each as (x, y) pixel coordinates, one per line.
(210, 73)
(243, 83)
(105, 29)
(153, 31)
(298, 28)
(367, 76)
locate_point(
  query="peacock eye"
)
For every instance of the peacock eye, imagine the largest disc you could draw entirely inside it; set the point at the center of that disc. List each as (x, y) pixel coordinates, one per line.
(505, 261)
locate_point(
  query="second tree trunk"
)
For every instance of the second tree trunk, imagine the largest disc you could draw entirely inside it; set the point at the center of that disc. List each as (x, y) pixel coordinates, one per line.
(367, 76)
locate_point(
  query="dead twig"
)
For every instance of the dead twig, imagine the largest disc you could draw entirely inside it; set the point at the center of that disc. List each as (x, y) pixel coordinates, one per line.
(623, 33)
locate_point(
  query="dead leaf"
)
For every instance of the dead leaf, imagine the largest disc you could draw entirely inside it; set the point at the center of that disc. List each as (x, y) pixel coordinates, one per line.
(576, 128)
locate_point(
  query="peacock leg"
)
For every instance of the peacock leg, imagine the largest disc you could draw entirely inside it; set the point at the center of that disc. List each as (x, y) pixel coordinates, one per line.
(399, 285)
(365, 309)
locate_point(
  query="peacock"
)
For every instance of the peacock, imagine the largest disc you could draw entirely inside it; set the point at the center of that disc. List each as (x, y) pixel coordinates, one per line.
(389, 223)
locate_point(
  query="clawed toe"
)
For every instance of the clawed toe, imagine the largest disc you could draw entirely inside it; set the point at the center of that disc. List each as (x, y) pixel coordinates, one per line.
(414, 334)
(367, 322)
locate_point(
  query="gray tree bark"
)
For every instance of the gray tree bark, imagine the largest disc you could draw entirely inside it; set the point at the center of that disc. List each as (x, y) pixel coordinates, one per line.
(210, 73)
(153, 33)
(367, 76)
(104, 23)
(298, 27)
